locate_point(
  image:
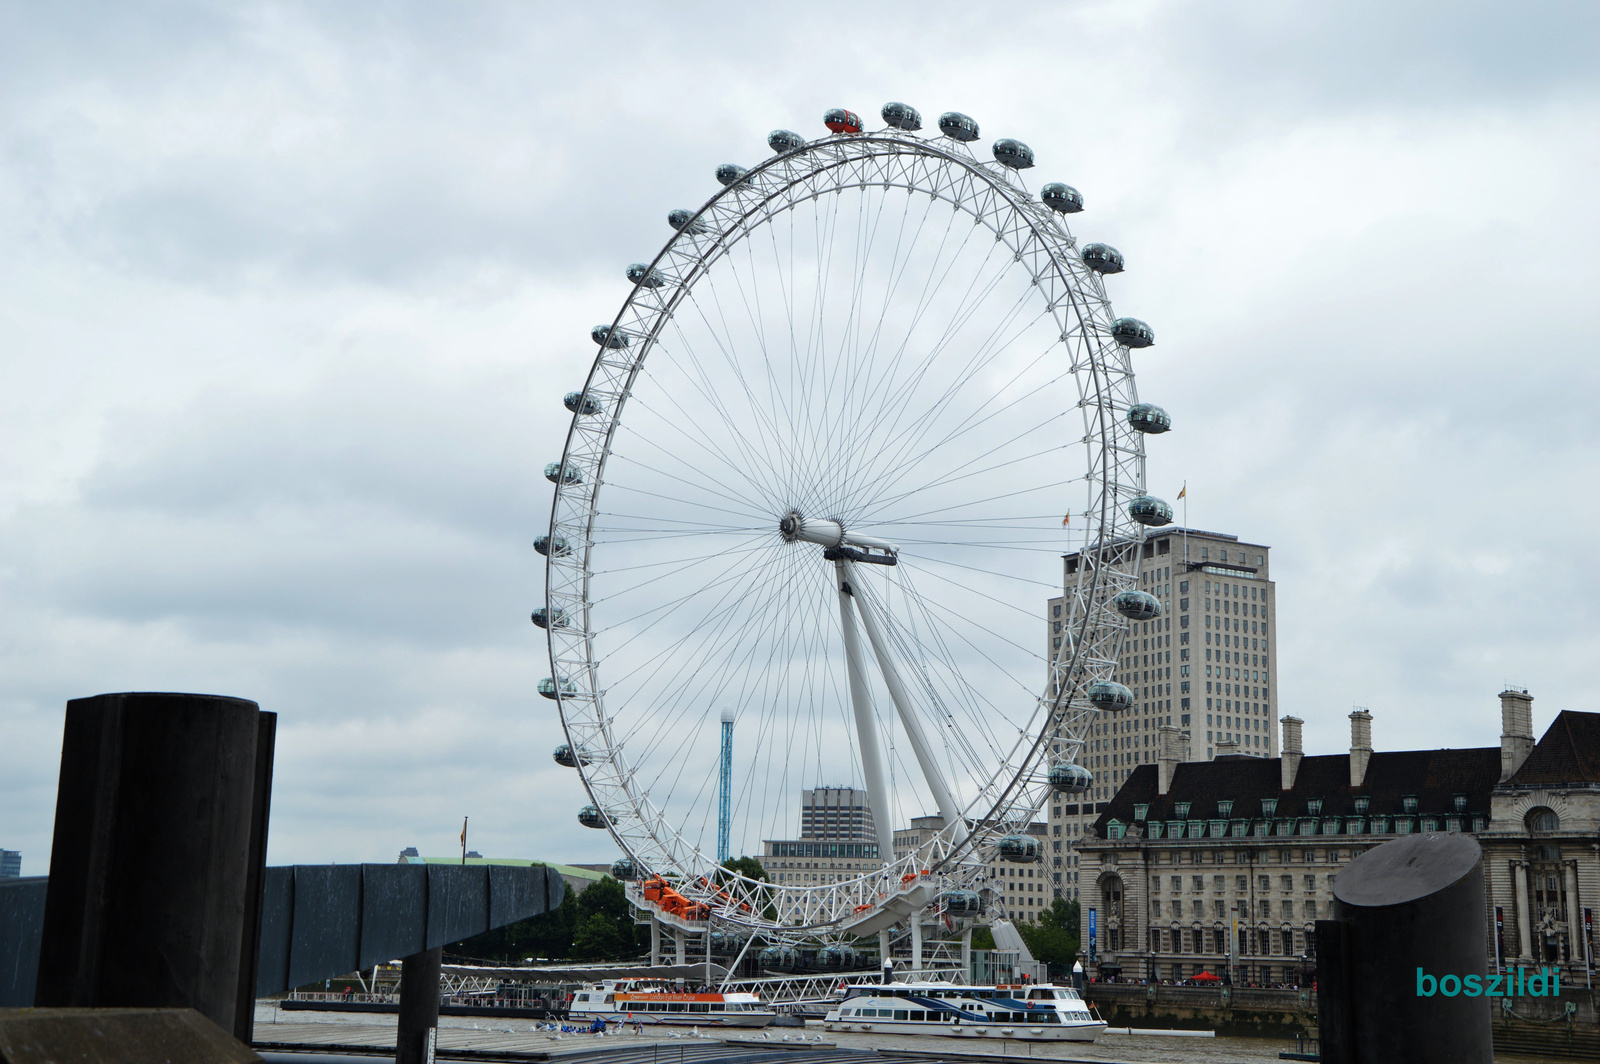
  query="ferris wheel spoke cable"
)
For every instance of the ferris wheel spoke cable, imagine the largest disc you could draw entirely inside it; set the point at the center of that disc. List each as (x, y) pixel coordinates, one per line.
(669, 710)
(763, 485)
(979, 715)
(910, 437)
(692, 704)
(664, 611)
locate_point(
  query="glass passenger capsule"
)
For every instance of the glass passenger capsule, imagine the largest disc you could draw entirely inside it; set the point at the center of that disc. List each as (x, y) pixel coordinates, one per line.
(1137, 605)
(838, 958)
(684, 221)
(901, 116)
(547, 687)
(728, 173)
(778, 958)
(542, 618)
(1013, 154)
(642, 274)
(1147, 417)
(1102, 258)
(543, 545)
(1110, 696)
(1150, 511)
(591, 817)
(575, 402)
(1062, 198)
(556, 473)
(958, 126)
(1131, 332)
(726, 942)
(962, 902)
(566, 758)
(623, 870)
(782, 140)
(1071, 778)
(1019, 849)
(841, 121)
(605, 337)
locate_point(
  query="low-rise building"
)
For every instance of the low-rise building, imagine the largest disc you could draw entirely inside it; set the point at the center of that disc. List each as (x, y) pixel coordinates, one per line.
(1192, 863)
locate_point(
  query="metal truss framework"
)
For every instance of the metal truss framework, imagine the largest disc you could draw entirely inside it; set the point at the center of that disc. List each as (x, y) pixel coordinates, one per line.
(1042, 247)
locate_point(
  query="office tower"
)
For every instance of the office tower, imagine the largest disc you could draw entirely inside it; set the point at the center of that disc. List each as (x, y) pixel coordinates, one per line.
(1207, 666)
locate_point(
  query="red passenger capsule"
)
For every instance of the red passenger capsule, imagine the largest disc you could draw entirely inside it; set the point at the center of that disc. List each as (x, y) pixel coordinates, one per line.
(841, 121)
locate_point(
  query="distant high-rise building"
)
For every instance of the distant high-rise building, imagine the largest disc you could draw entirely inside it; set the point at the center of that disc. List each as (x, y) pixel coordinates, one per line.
(1207, 666)
(10, 864)
(836, 813)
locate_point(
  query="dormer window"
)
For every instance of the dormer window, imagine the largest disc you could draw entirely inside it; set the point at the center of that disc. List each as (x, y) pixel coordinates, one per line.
(1362, 802)
(1269, 806)
(1408, 802)
(1314, 807)
(1225, 807)
(1181, 810)
(1139, 811)
(1460, 802)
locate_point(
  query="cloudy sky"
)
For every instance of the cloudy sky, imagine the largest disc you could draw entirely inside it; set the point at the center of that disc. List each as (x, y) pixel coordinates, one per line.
(289, 295)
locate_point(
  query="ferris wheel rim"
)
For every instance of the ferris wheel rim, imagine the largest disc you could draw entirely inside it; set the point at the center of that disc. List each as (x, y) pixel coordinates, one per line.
(1008, 198)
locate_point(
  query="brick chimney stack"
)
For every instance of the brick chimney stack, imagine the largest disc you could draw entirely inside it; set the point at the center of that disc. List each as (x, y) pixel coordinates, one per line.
(1291, 750)
(1516, 730)
(1360, 745)
(1169, 751)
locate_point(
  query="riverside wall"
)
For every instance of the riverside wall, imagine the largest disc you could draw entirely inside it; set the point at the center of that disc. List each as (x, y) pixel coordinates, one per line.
(1567, 1027)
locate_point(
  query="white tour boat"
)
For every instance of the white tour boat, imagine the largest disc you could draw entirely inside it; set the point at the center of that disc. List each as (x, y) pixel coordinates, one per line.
(662, 1001)
(1031, 1012)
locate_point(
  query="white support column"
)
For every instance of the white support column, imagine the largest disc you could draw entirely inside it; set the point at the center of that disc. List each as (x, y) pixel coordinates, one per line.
(926, 759)
(966, 952)
(680, 951)
(883, 948)
(916, 942)
(655, 940)
(1519, 878)
(866, 721)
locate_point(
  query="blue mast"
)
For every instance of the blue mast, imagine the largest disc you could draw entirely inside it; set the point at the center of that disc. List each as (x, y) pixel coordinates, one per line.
(725, 791)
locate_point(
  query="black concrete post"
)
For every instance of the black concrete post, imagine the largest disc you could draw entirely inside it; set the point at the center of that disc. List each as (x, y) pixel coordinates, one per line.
(1416, 903)
(419, 1007)
(156, 865)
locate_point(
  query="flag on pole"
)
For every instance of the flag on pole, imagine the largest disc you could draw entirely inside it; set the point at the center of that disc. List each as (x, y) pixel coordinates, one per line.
(1067, 519)
(1185, 490)
(464, 840)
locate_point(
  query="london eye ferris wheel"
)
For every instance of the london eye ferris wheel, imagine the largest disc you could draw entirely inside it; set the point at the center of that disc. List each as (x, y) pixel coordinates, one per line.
(817, 479)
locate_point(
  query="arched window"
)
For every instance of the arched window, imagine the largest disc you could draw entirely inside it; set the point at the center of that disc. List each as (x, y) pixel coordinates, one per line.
(1542, 819)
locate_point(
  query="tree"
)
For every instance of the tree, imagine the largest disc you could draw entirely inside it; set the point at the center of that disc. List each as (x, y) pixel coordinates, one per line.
(748, 867)
(606, 898)
(1054, 939)
(597, 938)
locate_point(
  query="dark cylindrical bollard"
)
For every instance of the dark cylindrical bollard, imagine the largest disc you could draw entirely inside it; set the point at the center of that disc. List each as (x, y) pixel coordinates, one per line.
(155, 867)
(1408, 917)
(419, 1007)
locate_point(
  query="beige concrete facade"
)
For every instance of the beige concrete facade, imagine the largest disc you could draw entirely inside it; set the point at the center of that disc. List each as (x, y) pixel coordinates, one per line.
(1207, 666)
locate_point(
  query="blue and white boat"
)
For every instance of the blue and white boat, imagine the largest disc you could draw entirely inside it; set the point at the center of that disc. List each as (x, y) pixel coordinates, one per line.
(1031, 1012)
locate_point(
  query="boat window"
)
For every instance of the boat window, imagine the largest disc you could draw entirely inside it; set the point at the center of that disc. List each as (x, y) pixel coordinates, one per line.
(901, 1014)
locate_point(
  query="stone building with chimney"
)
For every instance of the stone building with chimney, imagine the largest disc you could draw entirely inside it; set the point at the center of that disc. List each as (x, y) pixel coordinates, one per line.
(1193, 865)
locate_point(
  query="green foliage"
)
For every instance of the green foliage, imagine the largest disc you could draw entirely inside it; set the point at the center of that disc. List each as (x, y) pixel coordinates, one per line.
(597, 938)
(982, 938)
(748, 867)
(607, 900)
(1054, 939)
